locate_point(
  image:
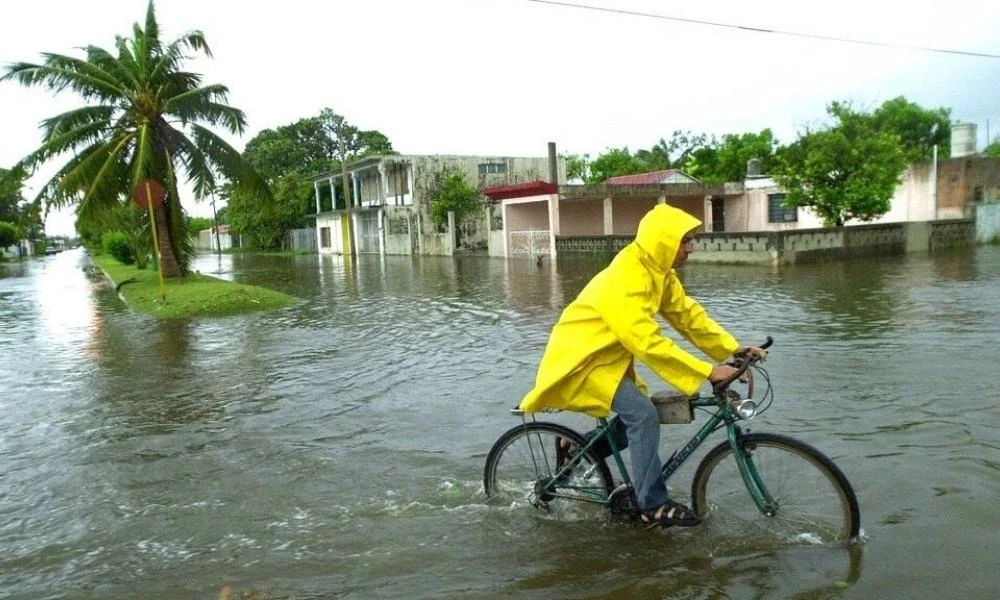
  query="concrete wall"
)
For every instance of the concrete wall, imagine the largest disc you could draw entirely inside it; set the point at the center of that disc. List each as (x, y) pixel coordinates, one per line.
(626, 213)
(987, 223)
(497, 243)
(810, 245)
(961, 181)
(400, 227)
(953, 233)
(529, 213)
(581, 217)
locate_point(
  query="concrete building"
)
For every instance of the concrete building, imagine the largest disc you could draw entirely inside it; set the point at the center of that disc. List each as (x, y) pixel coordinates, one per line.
(392, 195)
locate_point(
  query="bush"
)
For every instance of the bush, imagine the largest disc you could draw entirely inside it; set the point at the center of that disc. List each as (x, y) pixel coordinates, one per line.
(117, 245)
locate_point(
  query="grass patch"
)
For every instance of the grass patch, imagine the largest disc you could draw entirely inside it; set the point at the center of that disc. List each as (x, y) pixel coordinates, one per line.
(192, 296)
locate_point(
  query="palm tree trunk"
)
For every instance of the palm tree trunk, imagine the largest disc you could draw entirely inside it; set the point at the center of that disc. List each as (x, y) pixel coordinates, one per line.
(168, 259)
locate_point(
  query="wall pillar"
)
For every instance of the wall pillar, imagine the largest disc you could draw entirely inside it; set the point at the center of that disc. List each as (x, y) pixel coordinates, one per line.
(609, 227)
(356, 188)
(383, 183)
(553, 223)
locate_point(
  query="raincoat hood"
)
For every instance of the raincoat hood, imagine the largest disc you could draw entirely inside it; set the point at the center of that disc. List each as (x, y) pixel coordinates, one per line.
(660, 233)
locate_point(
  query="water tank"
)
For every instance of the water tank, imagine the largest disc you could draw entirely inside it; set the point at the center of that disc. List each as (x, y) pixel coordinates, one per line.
(963, 139)
(753, 167)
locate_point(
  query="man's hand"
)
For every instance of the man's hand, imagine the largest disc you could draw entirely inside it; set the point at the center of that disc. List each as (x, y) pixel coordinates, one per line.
(721, 373)
(753, 352)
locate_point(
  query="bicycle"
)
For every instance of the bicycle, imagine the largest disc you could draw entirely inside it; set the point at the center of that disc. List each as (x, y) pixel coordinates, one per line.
(794, 490)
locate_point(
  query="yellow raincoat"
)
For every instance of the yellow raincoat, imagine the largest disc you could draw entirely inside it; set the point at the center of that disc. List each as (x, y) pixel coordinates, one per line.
(612, 322)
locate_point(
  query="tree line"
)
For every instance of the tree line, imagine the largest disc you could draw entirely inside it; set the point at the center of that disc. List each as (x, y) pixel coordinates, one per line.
(19, 218)
(845, 169)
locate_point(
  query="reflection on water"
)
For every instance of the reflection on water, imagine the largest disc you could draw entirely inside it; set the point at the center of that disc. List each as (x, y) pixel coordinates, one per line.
(335, 447)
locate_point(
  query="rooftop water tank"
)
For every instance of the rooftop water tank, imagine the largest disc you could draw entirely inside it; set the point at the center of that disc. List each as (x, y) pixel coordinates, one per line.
(963, 139)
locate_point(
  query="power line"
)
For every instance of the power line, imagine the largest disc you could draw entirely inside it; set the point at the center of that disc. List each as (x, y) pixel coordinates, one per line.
(829, 38)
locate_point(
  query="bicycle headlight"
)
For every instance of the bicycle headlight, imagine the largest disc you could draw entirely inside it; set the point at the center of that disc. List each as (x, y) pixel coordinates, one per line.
(747, 409)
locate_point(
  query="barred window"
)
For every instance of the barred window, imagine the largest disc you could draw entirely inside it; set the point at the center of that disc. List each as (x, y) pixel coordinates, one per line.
(777, 212)
(324, 237)
(492, 167)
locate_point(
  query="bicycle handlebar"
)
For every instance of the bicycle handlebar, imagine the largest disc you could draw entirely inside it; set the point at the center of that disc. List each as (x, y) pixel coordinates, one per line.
(742, 363)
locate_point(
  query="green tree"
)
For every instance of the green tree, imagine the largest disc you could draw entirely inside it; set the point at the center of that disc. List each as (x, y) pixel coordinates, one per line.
(613, 163)
(303, 146)
(577, 167)
(11, 183)
(26, 216)
(847, 171)
(656, 158)
(287, 157)
(10, 234)
(992, 150)
(734, 152)
(144, 118)
(452, 193)
(919, 129)
(196, 224)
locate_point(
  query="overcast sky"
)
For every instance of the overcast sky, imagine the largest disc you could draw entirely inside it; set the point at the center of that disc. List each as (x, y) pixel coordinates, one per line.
(505, 77)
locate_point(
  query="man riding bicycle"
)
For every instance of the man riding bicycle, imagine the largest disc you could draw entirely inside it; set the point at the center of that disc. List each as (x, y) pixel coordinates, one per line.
(589, 361)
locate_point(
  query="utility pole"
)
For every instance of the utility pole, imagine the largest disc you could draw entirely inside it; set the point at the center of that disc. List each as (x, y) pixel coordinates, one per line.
(215, 223)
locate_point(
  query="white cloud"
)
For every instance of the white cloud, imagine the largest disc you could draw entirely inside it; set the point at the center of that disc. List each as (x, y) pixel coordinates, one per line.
(507, 76)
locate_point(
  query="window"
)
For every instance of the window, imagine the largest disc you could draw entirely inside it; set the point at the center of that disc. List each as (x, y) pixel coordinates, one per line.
(777, 212)
(324, 237)
(492, 167)
(399, 182)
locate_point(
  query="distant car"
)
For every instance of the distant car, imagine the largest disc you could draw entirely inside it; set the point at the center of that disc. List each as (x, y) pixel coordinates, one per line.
(52, 250)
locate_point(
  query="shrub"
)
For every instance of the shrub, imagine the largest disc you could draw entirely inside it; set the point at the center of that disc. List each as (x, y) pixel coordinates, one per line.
(117, 244)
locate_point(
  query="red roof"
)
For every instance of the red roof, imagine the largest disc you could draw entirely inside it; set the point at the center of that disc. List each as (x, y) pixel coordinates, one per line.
(645, 178)
(521, 190)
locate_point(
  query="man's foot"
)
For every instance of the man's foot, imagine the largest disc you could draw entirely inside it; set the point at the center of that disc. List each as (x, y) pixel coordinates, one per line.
(562, 452)
(669, 514)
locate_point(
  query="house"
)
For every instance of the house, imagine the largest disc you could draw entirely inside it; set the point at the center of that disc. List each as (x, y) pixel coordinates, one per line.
(533, 215)
(215, 239)
(391, 195)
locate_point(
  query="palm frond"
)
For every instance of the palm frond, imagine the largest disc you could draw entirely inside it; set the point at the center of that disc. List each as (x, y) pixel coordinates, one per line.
(144, 157)
(127, 61)
(66, 141)
(63, 72)
(228, 162)
(110, 65)
(197, 168)
(200, 105)
(76, 120)
(88, 170)
(170, 59)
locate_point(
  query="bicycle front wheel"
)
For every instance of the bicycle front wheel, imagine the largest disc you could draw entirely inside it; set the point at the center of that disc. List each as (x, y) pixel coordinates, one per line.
(523, 465)
(810, 499)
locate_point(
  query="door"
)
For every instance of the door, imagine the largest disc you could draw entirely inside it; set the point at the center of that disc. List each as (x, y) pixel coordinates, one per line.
(718, 215)
(368, 233)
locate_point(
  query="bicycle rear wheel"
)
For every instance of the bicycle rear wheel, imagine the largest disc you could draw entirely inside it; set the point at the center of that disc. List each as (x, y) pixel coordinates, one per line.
(522, 465)
(812, 500)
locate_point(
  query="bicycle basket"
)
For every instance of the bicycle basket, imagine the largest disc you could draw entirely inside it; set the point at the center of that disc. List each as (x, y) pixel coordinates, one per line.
(673, 409)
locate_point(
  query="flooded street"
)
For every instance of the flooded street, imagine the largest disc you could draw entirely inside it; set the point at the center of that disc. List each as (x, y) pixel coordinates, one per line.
(335, 449)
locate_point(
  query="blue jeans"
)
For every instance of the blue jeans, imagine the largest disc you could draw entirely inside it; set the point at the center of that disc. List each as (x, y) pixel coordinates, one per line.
(643, 429)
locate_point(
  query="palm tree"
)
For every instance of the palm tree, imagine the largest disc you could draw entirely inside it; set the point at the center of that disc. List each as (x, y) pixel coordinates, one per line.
(144, 118)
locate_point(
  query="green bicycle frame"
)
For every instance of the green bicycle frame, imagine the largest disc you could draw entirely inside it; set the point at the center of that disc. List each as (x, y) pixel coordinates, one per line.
(721, 415)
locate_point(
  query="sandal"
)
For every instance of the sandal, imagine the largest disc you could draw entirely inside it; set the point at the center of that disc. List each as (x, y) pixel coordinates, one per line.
(669, 514)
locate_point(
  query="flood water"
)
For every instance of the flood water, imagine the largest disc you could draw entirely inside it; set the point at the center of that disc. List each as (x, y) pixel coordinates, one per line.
(335, 449)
